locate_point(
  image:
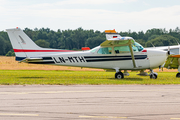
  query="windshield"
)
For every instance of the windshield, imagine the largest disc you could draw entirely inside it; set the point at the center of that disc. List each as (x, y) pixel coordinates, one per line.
(137, 47)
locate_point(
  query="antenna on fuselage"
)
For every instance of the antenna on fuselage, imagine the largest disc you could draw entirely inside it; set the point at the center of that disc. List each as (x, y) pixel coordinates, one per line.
(177, 42)
(152, 44)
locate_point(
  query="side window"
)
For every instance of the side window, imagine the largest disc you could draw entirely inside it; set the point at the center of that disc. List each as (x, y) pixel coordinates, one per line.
(94, 50)
(121, 49)
(105, 50)
(137, 47)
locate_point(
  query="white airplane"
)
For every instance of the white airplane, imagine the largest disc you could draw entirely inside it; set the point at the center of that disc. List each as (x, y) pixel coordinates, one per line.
(115, 54)
(173, 61)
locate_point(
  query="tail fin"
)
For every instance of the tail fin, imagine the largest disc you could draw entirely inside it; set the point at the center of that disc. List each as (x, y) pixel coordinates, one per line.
(21, 43)
(24, 47)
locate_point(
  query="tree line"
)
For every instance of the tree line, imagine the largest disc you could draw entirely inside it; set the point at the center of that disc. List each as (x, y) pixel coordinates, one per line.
(75, 39)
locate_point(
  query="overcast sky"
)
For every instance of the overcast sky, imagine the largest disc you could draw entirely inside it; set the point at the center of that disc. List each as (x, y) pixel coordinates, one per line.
(121, 15)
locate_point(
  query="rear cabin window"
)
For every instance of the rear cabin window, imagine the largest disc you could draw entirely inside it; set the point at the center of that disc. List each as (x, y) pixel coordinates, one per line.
(121, 49)
(105, 50)
(94, 50)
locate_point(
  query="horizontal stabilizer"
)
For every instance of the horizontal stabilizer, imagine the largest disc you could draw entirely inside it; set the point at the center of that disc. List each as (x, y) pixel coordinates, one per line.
(27, 60)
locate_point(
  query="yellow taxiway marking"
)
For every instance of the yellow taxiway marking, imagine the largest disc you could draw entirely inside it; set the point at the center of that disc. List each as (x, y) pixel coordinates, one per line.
(102, 117)
(175, 118)
(16, 114)
(53, 92)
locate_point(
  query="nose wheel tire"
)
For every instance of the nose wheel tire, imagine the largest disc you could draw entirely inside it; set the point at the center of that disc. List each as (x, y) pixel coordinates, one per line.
(119, 75)
(153, 76)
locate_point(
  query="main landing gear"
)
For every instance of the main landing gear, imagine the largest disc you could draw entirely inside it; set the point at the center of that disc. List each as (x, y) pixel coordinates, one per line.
(153, 75)
(119, 75)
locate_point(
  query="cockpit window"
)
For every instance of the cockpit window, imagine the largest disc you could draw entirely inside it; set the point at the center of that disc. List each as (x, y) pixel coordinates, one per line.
(137, 47)
(105, 50)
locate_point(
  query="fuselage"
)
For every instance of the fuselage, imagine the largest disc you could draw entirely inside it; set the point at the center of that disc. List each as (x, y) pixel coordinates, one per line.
(116, 52)
(109, 59)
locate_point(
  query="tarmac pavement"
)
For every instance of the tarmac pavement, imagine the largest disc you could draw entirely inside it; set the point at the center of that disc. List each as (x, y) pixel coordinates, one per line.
(90, 102)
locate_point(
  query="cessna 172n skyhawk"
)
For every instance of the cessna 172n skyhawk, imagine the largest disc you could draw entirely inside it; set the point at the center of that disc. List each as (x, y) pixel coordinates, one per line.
(116, 53)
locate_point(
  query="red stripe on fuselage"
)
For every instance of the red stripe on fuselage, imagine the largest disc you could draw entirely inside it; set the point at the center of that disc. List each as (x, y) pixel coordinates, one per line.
(21, 50)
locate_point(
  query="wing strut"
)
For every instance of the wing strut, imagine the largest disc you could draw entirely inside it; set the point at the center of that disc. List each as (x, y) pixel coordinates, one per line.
(132, 54)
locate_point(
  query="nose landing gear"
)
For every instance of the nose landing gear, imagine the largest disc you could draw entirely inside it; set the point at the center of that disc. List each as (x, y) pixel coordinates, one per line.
(153, 75)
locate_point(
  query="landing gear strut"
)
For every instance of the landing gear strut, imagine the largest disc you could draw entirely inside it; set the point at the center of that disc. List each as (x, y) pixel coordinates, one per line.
(153, 75)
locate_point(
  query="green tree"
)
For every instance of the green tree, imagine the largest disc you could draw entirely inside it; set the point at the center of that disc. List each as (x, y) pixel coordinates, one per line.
(75, 39)
(141, 41)
(79, 37)
(95, 41)
(163, 40)
(153, 37)
(10, 53)
(2, 46)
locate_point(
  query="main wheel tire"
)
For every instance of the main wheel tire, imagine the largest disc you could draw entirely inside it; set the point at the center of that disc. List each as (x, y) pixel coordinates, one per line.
(178, 75)
(119, 75)
(153, 76)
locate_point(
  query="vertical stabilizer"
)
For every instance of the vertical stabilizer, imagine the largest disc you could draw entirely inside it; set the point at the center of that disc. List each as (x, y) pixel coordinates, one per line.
(21, 43)
(24, 47)
(20, 40)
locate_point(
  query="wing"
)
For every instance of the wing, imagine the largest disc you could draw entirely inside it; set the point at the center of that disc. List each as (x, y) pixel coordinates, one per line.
(122, 41)
(113, 38)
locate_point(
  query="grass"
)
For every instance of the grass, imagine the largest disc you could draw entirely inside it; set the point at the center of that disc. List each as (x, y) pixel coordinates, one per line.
(56, 77)
(14, 73)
